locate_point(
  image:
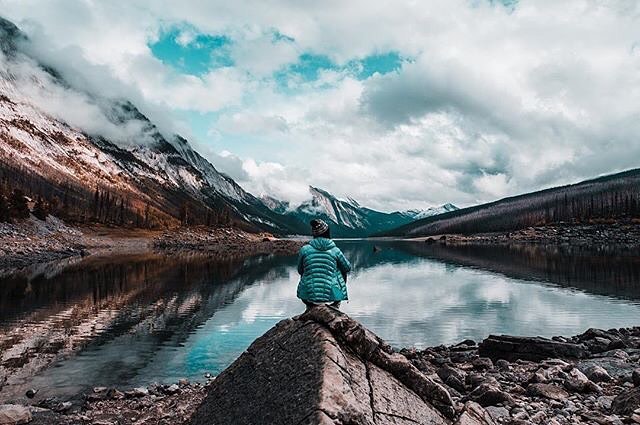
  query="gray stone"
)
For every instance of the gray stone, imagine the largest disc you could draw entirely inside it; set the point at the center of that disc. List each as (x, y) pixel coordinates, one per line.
(502, 364)
(476, 379)
(322, 368)
(538, 377)
(550, 391)
(597, 373)
(497, 413)
(512, 348)
(482, 363)
(462, 356)
(13, 414)
(474, 414)
(604, 402)
(453, 377)
(447, 371)
(615, 367)
(538, 417)
(490, 395)
(522, 417)
(115, 394)
(137, 392)
(172, 389)
(64, 406)
(626, 402)
(578, 381)
(593, 333)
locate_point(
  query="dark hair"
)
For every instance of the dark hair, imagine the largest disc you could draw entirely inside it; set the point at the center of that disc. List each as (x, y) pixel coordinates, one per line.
(326, 234)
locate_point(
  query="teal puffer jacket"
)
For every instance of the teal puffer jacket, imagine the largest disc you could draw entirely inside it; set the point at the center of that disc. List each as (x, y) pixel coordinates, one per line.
(321, 265)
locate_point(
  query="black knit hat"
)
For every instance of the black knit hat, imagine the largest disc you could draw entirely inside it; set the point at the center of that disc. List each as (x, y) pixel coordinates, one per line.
(318, 227)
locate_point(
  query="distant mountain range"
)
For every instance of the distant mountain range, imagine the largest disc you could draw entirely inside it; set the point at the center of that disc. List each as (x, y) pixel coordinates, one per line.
(605, 199)
(347, 218)
(148, 179)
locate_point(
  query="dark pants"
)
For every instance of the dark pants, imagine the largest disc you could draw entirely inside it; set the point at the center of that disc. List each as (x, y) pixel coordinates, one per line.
(334, 304)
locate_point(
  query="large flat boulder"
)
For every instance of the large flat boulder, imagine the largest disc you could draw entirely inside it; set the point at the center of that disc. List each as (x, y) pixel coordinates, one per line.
(513, 348)
(323, 368)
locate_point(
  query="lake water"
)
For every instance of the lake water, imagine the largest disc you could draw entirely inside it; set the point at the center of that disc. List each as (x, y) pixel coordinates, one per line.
(129, 321)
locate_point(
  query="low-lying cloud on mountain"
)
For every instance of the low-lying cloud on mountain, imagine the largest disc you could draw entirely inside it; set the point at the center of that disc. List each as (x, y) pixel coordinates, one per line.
(50, 81)
(400, 107)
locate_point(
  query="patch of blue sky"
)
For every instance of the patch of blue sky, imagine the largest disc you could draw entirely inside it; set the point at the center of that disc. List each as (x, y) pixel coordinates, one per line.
(310, 66)
(191, 52)
(199, 123)
(378, 63)
(203, 128)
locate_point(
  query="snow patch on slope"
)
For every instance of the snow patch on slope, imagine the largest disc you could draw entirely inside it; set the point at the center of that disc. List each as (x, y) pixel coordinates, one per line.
(420, 214)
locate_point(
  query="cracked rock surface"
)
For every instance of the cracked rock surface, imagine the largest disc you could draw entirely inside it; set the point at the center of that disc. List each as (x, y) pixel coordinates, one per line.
(323, 368)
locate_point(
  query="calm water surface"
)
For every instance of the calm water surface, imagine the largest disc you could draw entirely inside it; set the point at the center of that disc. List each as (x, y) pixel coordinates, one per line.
(133, 320)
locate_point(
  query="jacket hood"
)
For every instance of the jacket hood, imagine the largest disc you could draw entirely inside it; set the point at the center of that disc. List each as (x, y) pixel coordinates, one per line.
(322, 244)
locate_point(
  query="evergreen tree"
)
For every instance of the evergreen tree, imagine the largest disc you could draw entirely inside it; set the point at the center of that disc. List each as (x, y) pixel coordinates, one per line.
(147, 223)
(96, 204)
(18, 207)
(4, 209)
(65, 203)
(121, 213)
(184, 214)
(41, 209)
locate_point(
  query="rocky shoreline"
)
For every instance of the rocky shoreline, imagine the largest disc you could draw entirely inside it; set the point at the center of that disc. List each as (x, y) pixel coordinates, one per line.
(38, 241)
(35, 241)
(223, 241)
(155, 404)
(591, 378)
(623, 234)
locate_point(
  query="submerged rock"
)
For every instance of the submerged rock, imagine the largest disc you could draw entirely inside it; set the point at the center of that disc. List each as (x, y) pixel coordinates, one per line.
(323, 368)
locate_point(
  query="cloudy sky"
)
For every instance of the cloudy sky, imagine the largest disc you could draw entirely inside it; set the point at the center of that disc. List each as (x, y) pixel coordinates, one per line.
(398, 104)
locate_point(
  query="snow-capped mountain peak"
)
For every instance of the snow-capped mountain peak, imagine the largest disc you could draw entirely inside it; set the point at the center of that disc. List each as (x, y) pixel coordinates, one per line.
(417, 214)
(275, 204)
(347, 218)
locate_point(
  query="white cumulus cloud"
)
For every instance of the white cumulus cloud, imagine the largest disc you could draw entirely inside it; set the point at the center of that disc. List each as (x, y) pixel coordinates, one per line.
(488, 101)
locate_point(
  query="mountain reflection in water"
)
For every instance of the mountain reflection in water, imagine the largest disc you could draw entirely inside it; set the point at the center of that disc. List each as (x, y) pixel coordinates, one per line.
(133, 320)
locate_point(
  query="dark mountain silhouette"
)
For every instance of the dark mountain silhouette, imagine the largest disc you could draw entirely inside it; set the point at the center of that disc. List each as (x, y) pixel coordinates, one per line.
(612, 197)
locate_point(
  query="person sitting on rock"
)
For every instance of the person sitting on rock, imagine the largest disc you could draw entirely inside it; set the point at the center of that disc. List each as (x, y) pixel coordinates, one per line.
(323, 269)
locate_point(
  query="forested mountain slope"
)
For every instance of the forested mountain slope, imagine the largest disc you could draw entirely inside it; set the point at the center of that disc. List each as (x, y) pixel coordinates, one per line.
(612, 197)
(127, 173)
